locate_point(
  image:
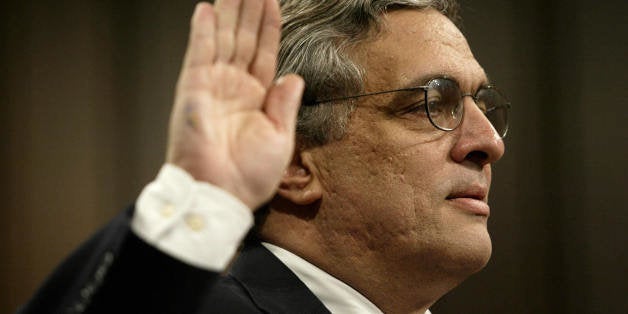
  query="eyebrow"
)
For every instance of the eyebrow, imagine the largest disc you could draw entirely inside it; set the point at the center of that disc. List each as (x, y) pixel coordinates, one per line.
(424, 79)
(419, 82)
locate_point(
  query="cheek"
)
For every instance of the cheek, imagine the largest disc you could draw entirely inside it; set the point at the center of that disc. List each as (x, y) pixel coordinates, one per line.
(386, 178)
(424, 168)
(388, 192)
(365, 179)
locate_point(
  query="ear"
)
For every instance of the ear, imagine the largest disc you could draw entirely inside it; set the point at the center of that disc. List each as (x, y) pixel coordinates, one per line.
(299, 184)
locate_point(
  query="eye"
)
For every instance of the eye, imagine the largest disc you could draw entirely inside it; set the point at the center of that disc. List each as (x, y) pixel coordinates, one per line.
(414, 108)
(436, 106)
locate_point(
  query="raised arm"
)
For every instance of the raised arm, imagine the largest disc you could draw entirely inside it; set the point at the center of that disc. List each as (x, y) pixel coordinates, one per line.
(232, 125)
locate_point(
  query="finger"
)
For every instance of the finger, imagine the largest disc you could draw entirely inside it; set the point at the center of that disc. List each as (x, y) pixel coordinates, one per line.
(227, 12)
(282, 102)
(248, 30)
(201, 44)
(265, 62)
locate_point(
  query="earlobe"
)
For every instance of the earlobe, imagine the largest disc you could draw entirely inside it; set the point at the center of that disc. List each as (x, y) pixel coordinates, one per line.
(299, 184)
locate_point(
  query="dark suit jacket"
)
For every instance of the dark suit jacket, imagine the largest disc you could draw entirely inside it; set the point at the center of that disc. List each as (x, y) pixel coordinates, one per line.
(116, 272)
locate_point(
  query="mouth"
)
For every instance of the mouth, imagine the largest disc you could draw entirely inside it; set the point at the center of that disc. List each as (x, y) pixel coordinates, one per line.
(472, 200)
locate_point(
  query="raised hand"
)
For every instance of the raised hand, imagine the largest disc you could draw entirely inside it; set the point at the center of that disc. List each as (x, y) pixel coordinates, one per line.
(231, 124)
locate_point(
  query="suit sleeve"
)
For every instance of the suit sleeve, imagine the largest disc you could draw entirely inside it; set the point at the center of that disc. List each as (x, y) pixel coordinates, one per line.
(117, 272)
(159, 256)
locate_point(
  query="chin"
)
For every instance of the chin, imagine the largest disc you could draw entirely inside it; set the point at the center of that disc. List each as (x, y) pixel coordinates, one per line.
(477, 252)
(478, 257)
(467, 254)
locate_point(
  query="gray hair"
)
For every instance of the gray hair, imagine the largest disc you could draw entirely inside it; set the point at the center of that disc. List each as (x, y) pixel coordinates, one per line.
(315, 40)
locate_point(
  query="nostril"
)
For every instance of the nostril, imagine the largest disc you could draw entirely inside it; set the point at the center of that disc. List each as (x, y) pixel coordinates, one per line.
(477, 157)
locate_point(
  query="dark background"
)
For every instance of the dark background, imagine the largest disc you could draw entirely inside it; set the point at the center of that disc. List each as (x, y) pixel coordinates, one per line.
(86, 89)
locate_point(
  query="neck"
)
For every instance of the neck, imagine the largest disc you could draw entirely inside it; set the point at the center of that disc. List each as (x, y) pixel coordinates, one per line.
(390, 286)
(403, 284)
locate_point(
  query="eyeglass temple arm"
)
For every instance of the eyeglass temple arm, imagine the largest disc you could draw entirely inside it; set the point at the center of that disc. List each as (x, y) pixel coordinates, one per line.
(308, 98)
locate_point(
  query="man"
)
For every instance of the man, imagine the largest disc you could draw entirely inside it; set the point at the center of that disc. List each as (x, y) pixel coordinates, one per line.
(381, 206)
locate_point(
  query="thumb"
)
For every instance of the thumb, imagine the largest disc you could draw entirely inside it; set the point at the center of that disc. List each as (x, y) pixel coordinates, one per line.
(283, 101)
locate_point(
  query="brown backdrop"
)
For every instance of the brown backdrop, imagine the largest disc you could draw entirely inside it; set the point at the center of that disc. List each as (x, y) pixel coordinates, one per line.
(86, 89)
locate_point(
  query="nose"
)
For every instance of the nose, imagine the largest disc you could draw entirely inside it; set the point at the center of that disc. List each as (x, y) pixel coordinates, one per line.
(478, 141)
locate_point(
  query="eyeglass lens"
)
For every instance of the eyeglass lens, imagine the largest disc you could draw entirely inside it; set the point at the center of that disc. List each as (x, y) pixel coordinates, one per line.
(446, 108)
(495, 108)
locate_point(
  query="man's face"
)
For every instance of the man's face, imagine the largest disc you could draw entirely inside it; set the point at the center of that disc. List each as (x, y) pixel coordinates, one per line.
(396, 189)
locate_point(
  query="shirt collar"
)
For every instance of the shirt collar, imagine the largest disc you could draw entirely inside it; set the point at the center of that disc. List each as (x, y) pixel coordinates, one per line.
(337, 296)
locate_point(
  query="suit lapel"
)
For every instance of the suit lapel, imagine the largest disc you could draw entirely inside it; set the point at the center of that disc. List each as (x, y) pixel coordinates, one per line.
(271, 285)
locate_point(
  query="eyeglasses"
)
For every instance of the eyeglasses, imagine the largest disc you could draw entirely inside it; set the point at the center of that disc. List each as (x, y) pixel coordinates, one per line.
(443, 103)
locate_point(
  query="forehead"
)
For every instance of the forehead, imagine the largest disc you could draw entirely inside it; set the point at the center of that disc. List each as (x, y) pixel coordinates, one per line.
(414, 46)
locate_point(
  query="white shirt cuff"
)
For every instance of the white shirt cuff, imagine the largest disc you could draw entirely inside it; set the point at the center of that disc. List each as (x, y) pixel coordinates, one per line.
(195, 222)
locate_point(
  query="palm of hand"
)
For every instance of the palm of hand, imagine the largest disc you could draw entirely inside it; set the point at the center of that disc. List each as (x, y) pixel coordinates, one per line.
(230, 125)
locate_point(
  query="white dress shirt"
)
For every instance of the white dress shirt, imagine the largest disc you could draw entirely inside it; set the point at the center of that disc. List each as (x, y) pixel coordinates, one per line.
(337, 296)
(203, 226)
(192, 221)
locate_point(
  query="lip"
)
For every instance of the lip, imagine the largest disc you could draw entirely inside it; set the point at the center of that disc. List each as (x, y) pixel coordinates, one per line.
(472, 200)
